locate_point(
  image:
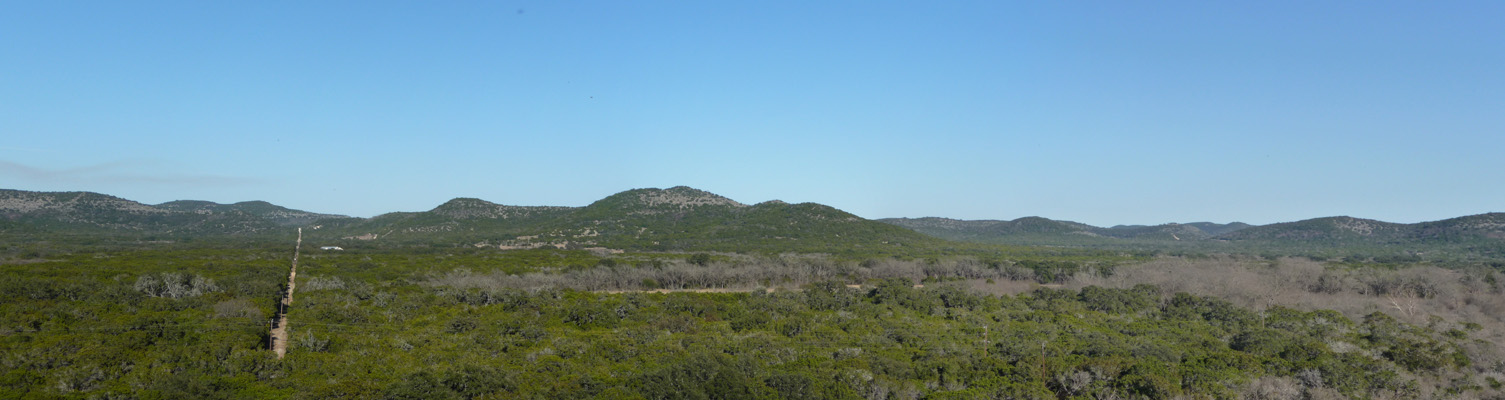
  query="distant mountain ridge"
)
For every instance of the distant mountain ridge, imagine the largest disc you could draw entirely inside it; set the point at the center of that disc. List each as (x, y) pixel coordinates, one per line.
(677, 218)
(1474, 235)
(673, 219)
(94, 213)
(683, 218)
(280, 215)
(1042, 227)
(1344, 228)
(1489, 225)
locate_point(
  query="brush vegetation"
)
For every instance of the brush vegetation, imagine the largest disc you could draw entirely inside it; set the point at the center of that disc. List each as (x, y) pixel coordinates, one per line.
(550, 323)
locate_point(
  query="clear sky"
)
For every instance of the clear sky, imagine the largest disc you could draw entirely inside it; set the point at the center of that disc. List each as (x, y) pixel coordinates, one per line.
(1104, 112)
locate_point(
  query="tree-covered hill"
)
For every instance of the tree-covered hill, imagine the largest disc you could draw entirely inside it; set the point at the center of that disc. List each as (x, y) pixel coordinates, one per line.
(1470, 238)
(455, 221)
(98, 214)
(1330, 229)
(1173, 231)
(1048, 232)
(674, 219)
(678, 218)
(687, 219)
(277, 214)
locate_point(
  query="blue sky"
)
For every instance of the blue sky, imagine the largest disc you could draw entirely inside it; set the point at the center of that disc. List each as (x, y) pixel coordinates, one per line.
(1100, 112)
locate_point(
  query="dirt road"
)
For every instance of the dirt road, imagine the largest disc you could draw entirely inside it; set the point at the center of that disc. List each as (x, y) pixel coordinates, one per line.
(279, 325)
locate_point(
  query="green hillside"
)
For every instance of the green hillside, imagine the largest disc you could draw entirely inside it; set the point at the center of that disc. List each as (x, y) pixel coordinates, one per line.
(98, 214)
(687, 219)
(674, 219)
(458, 220)
(1467, 239)
(277, 214)
(1335, 230)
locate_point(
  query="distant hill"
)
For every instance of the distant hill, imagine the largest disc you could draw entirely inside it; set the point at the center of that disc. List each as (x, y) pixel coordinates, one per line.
(678, 218)
(1215, 229)
(460, 219)
(1470, 237)
(1330, 229)
(94, 213)
(1038, 230)
(277, 214)
(1173, 231)
(674, 219)
(688, 219)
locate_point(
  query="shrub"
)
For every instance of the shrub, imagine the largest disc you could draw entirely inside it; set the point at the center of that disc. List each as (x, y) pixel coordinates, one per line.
(175, 285)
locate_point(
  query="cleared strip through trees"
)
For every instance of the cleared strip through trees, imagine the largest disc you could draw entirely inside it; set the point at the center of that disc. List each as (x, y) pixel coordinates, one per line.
(278, 335)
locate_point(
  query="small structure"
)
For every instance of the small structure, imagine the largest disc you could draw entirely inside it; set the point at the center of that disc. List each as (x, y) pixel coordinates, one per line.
(331, 248)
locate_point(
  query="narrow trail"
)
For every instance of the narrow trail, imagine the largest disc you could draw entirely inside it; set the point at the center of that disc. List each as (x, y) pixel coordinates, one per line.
(278, 335)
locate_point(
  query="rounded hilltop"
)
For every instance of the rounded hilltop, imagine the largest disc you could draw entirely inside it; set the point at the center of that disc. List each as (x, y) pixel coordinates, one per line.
(678, 197)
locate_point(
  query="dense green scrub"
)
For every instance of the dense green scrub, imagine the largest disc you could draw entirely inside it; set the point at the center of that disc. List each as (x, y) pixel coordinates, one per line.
(192, 324)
